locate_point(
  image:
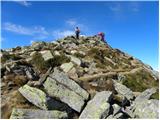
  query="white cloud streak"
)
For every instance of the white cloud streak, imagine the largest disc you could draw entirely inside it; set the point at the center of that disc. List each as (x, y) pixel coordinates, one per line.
(38, 32)
(62, 33)
(23, 2)
(115, 8)
(72, 23)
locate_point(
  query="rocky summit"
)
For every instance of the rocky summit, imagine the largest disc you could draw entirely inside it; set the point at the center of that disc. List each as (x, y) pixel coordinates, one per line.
(76, 79)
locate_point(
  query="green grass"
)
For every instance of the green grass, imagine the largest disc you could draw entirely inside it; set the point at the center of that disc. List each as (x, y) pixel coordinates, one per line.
(99, 57)
(79, 55)
(155, 95)
(6, 57)
(41, 65)
(140, 81)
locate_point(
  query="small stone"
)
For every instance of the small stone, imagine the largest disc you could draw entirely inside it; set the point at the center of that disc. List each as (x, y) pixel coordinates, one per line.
(57, 53)
(66, 67)
(46, 54)
(75, 60)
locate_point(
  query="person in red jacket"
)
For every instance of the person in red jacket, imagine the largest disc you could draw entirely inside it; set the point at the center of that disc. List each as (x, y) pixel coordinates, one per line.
(101, 34)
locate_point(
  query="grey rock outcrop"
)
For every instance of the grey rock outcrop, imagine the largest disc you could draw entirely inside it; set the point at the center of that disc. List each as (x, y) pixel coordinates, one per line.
(75, 60)
(35, 96)
(123, 90)
(37, 114)
(62, 78)
(64, 94)
(147, 109)
(146, 94)
(38, 45)
(66, 67)
(98, 107)
(46, 54)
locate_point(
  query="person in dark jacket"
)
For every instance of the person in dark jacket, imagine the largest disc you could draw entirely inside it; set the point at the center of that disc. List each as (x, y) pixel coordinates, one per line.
(77, 31)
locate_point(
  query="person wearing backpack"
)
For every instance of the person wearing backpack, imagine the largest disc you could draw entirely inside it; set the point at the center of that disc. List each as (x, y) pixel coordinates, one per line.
(101, 34)
(77, 31)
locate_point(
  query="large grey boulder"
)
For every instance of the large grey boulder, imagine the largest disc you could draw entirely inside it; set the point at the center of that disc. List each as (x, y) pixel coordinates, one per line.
(37, 114)
(46, 54)
(62, 78)
(66, 67)
(64, 94)
(98, 107)
(123, 90)
(35, 96)
(147, 109)
(146, 94)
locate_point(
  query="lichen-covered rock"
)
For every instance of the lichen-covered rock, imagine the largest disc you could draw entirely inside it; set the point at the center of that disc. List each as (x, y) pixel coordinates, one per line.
(46, 54)
(146, 94)
(98, 107)
(75, 60)
(147, 109)
(66, 67)
(62, 78)
(38, 45)
(123, 90)
(37, 114)
(64, 94)
(35, 96)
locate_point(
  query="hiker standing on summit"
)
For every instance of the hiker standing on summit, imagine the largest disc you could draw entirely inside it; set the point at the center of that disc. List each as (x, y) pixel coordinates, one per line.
(77, 31)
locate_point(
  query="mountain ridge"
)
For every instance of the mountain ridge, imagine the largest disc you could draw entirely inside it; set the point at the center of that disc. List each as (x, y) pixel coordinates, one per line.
(89, 65)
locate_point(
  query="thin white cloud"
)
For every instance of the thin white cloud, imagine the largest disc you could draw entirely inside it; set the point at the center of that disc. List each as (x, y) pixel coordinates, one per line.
(71, 22)
(38, 32)
(115, 7)
(23, 2)
(2, 39)
(17, 28)
(60, 34)
(134, 6)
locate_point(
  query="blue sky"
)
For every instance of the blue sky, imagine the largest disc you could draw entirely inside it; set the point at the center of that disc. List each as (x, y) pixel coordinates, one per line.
(129, 26)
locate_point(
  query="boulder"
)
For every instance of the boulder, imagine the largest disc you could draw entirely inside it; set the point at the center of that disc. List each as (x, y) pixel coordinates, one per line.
(73, 51)
(30, 73)
(32, 53)
(38, 45)
(35, 96)
(62, 78)
(64, 94)
(46, 54)
(73, 73)
(66, 67)
(37, 114)
(146, 94)
(98, 107)
(123, 90)
(75, 60)
(147, 109)
(57, 53)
